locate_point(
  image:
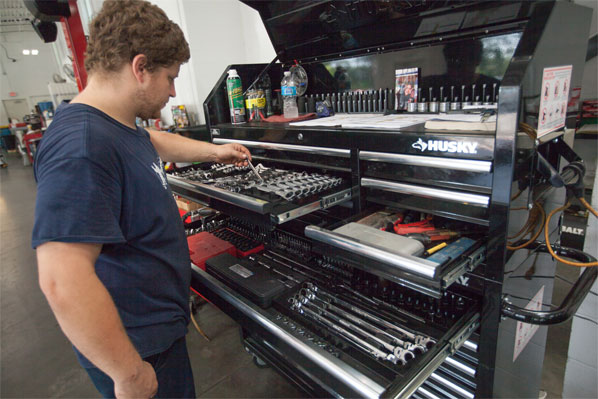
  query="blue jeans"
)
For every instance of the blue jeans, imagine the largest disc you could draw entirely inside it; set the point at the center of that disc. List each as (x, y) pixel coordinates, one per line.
(173, 370)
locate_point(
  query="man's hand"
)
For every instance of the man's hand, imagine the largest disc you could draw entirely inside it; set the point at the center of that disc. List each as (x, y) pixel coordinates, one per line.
(232, 153)
(141, 385)
(87, 315)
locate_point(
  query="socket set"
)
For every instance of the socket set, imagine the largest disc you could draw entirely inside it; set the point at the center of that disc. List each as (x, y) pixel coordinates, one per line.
(243, 244)
(443, 312)
(384, 100)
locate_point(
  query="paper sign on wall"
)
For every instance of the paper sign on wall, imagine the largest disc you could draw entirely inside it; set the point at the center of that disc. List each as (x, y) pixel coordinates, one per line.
(526, 331)
(554, 97)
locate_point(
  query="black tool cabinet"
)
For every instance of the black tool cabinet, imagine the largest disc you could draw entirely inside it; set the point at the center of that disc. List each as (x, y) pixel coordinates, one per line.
(472, 354)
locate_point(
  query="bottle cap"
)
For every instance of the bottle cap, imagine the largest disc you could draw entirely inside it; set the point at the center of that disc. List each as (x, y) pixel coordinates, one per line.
(232, 72)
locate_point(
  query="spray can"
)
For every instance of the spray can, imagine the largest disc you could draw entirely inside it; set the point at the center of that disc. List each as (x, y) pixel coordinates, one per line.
(234, 89)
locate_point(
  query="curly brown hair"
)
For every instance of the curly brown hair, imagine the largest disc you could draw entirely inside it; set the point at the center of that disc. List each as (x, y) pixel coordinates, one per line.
(123, 29)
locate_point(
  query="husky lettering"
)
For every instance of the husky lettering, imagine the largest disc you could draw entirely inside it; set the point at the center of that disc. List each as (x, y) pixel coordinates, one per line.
(461, 147)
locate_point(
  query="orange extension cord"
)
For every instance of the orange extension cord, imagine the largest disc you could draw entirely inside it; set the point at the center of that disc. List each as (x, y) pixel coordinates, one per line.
(530, 225)
(550, 215)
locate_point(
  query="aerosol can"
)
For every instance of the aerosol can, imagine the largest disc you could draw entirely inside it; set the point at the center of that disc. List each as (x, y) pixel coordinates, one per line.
(234, 89)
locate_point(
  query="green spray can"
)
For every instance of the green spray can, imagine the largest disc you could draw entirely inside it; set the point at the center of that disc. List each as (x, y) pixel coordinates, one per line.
(234, 89)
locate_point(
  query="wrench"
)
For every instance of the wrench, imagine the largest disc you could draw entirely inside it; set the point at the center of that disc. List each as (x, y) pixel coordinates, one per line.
(401, 354)
(404, 344)
(416, 338)
(372, 350)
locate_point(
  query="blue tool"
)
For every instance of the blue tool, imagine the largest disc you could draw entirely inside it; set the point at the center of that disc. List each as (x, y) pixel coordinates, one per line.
(452, 250)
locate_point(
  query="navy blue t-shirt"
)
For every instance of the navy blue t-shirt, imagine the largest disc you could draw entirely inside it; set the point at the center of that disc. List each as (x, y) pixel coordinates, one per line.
(99, 181)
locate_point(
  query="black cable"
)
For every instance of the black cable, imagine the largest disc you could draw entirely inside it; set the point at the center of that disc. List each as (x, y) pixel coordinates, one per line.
(552, 307)
(6, 52)
(571, 283)
(550, 277)
(532, 252)
(586, 318)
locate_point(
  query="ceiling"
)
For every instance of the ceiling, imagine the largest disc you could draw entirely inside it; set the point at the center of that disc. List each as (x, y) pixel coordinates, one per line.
(14, 16)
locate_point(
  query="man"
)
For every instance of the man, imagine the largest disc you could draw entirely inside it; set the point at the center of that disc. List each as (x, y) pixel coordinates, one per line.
(112, 254)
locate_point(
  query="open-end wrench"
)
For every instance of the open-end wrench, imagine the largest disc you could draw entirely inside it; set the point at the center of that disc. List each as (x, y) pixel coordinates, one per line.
(403, 355)
(377, 353)
(415, 338)
(394, 339)
(411, 346)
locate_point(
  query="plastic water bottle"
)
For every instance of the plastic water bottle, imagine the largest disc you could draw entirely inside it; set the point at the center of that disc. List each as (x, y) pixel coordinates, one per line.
(288, 89)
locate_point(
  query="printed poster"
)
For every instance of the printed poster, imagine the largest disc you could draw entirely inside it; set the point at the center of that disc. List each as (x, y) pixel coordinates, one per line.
(406, 82)
(554, 98)
(526, 331)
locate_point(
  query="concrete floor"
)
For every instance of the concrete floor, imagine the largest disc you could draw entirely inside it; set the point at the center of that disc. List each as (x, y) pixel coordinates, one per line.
(37, 360)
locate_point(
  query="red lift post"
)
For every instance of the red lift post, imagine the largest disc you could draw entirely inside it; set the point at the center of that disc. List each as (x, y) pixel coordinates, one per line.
(76, 42)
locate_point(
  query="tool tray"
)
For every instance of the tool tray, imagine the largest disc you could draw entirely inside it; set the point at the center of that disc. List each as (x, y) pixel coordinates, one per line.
(283, 194)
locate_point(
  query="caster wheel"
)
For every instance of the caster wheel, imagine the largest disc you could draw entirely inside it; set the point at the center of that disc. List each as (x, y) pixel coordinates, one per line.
(260, 364)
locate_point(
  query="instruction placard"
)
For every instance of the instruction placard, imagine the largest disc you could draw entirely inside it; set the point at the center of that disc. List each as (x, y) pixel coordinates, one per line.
(554, 97)
(526, 331)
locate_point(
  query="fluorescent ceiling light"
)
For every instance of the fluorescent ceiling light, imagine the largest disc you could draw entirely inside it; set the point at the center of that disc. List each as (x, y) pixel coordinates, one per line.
(26, 52)
(34, 51)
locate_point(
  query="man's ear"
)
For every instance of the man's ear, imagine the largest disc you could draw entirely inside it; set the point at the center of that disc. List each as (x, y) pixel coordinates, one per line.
(139, 67)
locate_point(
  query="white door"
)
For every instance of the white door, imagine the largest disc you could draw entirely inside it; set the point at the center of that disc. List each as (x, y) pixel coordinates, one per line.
(17, 108)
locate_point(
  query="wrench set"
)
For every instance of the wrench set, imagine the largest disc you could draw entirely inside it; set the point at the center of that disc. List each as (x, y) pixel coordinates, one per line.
(378, 337)
(215, 171)
(286, 184)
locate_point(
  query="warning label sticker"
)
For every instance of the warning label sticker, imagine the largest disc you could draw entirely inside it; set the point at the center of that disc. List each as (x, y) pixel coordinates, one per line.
(526, 331)
(554, 97)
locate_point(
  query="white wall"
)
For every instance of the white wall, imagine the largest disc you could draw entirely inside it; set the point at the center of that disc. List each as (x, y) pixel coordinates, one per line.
(589, 88)
(582, 358)
(185, 84)
(220, 33)
(30, 74)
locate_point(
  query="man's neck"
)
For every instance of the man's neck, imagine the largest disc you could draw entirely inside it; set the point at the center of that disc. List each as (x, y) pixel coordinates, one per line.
(110, 97)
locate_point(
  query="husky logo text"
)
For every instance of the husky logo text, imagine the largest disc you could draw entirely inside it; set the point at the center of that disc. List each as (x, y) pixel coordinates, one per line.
(462, 147)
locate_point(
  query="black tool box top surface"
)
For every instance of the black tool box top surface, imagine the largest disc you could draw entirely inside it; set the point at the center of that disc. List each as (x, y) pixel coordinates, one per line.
(306, 29)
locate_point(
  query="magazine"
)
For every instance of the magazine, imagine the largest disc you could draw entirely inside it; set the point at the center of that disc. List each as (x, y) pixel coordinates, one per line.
(406, 83)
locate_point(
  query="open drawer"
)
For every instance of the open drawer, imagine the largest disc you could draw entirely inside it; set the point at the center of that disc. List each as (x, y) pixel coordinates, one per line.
(393, 258)
(320, 363)
(279, 195)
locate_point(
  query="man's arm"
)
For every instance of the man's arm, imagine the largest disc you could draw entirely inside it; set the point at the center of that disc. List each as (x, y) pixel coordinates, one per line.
(176, 148)
(88, 317)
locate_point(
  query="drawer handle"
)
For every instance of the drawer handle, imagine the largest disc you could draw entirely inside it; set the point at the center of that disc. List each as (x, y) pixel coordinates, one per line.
(571, 302)
(411, 264)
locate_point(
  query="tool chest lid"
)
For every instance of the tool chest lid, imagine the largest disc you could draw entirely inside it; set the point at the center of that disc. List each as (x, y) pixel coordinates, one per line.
(303, 30)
